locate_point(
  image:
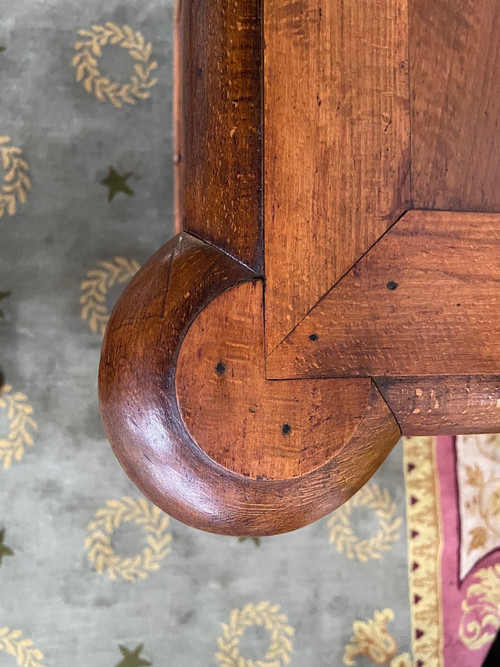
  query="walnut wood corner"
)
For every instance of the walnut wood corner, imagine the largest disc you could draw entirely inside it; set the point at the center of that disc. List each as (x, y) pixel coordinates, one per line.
(183, 360)
(424, 301)
(381, 316)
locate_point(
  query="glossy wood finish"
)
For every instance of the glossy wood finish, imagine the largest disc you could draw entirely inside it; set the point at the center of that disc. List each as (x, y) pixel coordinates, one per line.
(141, 414)
(220, 125)
(337, 143)
(448, 405)
(377, 319)
(252, 426)
(424, 301)
(178, 116)
(455, 91)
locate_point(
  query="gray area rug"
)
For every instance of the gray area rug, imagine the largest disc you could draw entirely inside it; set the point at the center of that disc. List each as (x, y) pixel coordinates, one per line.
(91, 575)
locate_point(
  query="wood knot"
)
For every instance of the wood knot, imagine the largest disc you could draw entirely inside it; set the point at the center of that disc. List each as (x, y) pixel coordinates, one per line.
(220, 369)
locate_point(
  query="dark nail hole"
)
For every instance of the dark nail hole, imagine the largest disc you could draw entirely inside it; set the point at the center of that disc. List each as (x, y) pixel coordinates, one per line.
(285, 429)
(391, 285)
(313, 336)
(220, 369)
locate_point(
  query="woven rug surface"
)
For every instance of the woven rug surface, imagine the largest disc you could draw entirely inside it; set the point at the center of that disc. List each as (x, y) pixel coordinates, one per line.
(91, 574)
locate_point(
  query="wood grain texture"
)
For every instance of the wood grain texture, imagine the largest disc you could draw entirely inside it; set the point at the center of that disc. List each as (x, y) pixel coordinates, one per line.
(450, 405)
(252, 426)
(424, 301)
(376, 321)
(178, 116)
(221, 127)
(336, 143)
(141, 415)
(455, 104)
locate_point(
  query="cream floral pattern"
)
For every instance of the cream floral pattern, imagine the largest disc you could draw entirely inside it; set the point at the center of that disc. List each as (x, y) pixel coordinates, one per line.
(372, 640)
(107, 519)
(343, 537)
(89, 50)
(95, 287)
(21, 648)
(264, 614)
(478, 474)
(481, 609)
(20, 426)
(16, 181)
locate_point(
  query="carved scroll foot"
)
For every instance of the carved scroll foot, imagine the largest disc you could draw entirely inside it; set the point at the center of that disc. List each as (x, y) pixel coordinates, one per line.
(196, 424)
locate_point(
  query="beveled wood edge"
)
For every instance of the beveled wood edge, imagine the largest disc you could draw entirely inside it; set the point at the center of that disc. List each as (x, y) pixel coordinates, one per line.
(141, 416)
(270, 352)
(255, 427)
(218, 126)
(427, 404)
(177, 118)
(443, 405)
(337, 144)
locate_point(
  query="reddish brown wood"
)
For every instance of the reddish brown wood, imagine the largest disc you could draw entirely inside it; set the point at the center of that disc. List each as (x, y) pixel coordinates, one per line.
(141, 415)
(449, 405)
(221, 125)
(250, 425)
(455, 92)
(337, 143)
(441, 316)
(178, 116)
(389, 319)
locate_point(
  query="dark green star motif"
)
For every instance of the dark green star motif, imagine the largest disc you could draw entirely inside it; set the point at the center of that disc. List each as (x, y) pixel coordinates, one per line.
(3, 295)
(256, 540)
(4, 549)
(132, 658)
(117, 183)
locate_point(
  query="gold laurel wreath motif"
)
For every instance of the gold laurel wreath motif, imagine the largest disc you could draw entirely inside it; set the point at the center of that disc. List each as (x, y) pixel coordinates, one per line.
(107, 519)
(16, 181)
(348, 543)
(20, 424)
(87, 71)
(95, 288)
(20, 648)
(263, 614)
